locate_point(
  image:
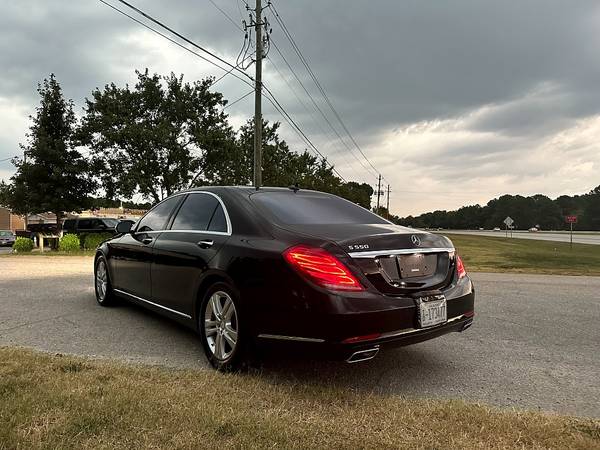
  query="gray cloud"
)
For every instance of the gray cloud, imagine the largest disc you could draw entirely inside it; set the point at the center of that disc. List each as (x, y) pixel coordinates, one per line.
(502, 77)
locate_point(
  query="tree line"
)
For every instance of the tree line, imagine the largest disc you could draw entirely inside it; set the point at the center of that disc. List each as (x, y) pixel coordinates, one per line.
(534, 211)
(152, 139)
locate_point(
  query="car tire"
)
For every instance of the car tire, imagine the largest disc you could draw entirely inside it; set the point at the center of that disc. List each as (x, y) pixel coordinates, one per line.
(222, 331)
(105, 296)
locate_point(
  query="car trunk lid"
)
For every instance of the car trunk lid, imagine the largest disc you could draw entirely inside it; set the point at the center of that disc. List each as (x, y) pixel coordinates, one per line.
(396, 260)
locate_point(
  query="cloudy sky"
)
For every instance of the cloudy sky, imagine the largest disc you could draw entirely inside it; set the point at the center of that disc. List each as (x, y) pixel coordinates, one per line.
(454, 102)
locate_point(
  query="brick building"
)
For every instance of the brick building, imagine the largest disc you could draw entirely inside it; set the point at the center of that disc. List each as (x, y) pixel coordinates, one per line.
(10, 221)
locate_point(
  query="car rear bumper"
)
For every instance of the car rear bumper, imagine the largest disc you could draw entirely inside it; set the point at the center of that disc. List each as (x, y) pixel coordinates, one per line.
(356, 322)
(351, 352)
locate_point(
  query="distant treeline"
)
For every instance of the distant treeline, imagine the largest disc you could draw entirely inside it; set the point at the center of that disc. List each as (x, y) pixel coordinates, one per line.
(537, 210)
(109, 203)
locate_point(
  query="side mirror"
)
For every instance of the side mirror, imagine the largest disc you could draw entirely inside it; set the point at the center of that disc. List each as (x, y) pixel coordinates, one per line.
(125, 226)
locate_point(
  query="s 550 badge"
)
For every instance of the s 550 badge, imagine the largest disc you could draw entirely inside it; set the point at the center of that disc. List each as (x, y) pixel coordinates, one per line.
(359, 247)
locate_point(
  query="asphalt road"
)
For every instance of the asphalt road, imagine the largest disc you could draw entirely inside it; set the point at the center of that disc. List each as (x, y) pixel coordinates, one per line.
(578, 238)
(534, 343)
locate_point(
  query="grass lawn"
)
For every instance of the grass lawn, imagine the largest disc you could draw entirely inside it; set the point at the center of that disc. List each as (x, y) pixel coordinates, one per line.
(501, 254)
(65, 402)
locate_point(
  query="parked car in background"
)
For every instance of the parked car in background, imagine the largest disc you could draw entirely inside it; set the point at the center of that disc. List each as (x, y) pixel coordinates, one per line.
(534, 229)
(496, 229)
(245, 267)
(7, 238)
(87, 225)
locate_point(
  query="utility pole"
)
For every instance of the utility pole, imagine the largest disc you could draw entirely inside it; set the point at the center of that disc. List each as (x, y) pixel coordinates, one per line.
(257, 98)
(388, 202)
(378, 192)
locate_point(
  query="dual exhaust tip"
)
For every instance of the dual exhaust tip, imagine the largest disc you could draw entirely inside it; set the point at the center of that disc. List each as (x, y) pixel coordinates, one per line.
(370, 353)
(363, 355)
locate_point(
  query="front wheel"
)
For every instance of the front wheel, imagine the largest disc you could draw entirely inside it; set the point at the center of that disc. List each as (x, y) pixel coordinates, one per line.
(221, 329)
(104, 293)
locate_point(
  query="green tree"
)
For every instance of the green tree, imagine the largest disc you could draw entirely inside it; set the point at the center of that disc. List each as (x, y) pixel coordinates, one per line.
(591, 214)
(4, 193)
(52, 176)
(152, 139)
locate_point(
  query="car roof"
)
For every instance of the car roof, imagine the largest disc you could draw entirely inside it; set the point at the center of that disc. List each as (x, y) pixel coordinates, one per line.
(248, 190)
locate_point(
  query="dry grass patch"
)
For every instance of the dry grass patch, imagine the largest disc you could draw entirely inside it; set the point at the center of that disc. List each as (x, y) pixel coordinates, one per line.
(66, 402)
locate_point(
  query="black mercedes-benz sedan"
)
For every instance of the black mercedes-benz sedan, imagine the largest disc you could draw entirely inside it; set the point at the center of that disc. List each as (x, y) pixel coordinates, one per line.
(245, 267)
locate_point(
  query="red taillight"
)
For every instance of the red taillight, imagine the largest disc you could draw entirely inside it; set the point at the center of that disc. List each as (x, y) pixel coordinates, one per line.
(322, 268)
(460, 268)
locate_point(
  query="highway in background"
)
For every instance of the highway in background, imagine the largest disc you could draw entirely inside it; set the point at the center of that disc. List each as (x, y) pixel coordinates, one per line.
(589, 237)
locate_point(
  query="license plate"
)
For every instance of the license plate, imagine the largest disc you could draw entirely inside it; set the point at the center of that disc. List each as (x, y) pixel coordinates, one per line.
(432, 312)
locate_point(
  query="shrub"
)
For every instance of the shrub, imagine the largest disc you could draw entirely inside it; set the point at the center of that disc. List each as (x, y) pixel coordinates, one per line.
(69, 243)
(23, 245)
(93, 240)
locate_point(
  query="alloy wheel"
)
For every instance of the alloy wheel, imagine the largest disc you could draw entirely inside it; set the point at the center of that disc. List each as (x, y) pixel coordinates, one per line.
(101, 280)
(221, 325)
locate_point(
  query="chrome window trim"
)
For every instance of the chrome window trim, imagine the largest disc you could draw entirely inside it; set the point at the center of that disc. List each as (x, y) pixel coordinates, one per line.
(153, 304)
(222, 233)
(402, 251)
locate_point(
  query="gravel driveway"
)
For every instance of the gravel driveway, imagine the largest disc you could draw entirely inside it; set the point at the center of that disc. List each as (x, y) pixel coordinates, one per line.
(534, 343)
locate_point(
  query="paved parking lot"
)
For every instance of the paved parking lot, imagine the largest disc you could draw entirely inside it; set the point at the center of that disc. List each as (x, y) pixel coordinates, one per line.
(534, 343)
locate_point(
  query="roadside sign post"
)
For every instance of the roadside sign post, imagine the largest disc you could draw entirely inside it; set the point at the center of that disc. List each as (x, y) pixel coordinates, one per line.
(508, 222)
(571, 220)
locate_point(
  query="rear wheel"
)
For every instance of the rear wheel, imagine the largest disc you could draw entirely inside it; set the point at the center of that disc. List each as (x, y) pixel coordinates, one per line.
(221, 329)
(104, 293)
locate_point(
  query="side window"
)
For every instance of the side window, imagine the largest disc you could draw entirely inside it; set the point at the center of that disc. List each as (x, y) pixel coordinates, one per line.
(157, 218)
(85, 224)
(195, 212)
(218, 221)
(69, 224)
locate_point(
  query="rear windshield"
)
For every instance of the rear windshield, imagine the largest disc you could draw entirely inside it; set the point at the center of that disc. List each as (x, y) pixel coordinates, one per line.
(111, 223)
(312, 209)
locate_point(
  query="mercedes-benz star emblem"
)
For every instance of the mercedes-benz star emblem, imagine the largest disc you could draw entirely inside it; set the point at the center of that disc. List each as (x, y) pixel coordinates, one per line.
(416, 240)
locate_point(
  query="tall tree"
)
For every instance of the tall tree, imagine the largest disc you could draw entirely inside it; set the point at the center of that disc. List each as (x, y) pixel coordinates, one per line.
(52, 176)
(152, 139)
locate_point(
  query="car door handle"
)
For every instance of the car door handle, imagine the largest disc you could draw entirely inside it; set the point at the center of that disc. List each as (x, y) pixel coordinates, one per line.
(147, 240)
(208, 243)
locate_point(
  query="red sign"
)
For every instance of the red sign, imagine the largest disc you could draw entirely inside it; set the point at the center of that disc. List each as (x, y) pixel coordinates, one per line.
(571, 219)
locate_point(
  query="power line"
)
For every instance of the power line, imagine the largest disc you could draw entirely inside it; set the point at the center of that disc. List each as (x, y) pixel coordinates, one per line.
(276, 104)
(226, 15)
(304, 61)
(173, 41)
(239, 99)
(311, 114)
(317, 107)
(7, 159)
(180, 36)
(296, 128)
(272, 100)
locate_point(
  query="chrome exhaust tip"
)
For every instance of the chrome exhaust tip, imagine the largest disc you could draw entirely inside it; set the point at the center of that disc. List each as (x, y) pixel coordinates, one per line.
(466, 325)
(363, 355)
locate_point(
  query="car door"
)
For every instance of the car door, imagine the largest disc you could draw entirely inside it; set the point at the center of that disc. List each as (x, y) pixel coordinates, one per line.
(183, 253)
(133, 254)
